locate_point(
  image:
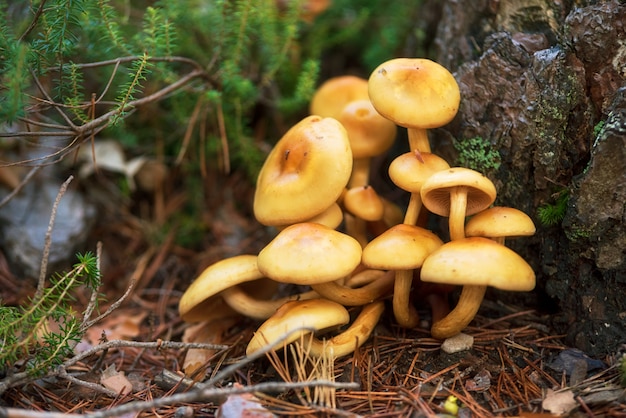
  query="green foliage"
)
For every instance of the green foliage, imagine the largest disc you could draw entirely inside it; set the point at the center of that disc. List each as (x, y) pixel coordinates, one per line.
(26, 331)
(478, 154)
(551, 214)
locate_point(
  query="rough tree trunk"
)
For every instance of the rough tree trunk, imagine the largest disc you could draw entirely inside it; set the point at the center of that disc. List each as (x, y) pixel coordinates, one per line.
(536, 78)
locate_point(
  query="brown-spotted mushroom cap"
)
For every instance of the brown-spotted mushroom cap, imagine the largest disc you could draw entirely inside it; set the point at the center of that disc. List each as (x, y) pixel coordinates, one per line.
(456, 193)
(335, 93)
(214, 279)
(295, 319)
(304, 174)
(309, 253)
(402, 248)
(499, 223)
(409, 171)
(415, 93)
(474, 263)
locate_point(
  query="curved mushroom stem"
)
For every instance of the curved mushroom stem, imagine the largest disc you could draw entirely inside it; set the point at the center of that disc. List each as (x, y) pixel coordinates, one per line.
(405, 313)
(240, 301)
(462, 314)
(352, 338)
(458, 206)
(418, 139)
(380, 284)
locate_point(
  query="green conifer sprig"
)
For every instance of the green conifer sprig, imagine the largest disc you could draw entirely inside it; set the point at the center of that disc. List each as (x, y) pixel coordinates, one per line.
(27, 332)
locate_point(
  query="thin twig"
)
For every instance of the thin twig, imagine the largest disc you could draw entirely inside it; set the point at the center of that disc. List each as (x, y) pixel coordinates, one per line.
(43, 270)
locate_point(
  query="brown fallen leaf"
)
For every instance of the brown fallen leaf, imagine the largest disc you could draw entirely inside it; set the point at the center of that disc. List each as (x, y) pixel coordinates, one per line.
(561, 402)
(115, 381)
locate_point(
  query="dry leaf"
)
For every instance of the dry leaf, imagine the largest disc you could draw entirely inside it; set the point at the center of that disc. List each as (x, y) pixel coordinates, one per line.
(243, 405)
(123, 325)
(560, 402)
(210, 332)
(115, 381)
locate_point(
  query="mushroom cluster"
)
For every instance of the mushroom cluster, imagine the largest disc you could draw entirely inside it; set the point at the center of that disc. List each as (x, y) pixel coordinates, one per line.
(349, 246)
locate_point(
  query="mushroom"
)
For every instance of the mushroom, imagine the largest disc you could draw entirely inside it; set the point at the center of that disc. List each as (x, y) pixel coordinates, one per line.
(312, 254)
(402, 248)
(415, 93)
(297, 318)
(225, 278)
(304, 174)
(456, 193)
(369, 133)
(499, 223)
(335, 93)
(474, 263)
(352, 338)
(409, 171)
(360, 289)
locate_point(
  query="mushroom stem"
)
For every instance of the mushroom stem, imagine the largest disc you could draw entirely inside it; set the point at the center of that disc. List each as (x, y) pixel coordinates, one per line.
(462, 314)
(240, 301)
(413, 209)
(405, 313)
(418, 139)
(380, 284)
(352, 338)
(360, 172)
(458, 206)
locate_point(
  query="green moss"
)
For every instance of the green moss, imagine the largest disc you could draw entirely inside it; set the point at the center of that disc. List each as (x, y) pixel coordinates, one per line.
(551, 214)
(478, 154)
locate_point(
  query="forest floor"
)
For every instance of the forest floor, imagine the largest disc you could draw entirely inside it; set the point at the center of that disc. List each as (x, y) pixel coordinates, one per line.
(517, 366)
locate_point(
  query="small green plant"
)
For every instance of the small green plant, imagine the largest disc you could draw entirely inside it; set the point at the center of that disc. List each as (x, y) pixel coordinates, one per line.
(551, 214)
(478, 154)
(43, 331)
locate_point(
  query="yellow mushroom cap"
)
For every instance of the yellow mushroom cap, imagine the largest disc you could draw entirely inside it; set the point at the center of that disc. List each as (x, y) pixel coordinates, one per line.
(364, 203)
(435, 192)
(480, 262)
(335, 93)
(370, 134)
(305, 173)
(500, 222)
(215, 278)
(409, 171)
(401, 247)
(309, 253)
(314, 314)
(414, 92)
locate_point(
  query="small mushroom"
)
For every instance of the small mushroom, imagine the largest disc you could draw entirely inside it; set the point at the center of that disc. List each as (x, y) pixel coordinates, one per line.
(297, 318)
(456, 193)
(415, 93)
(304, 174)
(402, 248)
(474, 263)
(499, 223)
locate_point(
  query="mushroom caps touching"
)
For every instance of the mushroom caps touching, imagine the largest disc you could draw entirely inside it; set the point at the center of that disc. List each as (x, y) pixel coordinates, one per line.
(290, 320)
(414, 92)
(305, 173)
(364, 203)
(309, 253)
(332, 217)
(435, 192)
(410, 170)
(500, 222)
(478, 261)
(335, 93)
(215, 278)
(370, 134)
(401, 247)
